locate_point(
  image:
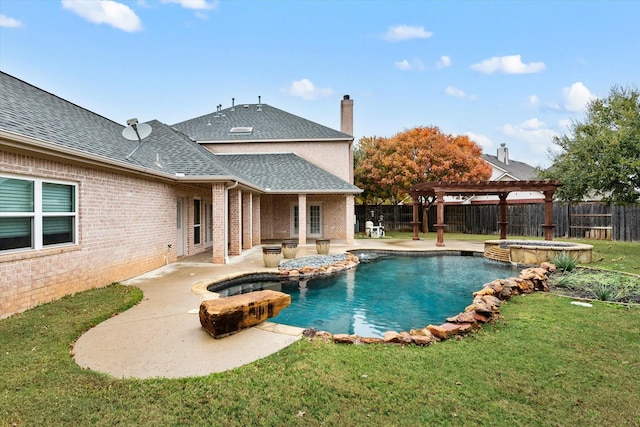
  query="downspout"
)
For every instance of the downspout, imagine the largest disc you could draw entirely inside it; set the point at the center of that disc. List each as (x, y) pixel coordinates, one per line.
(226, 220)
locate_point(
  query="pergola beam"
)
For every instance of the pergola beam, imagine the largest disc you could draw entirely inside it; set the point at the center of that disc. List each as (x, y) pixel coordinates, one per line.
(501, 189)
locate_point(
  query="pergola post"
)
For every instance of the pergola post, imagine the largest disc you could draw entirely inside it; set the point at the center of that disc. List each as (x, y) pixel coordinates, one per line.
(548, 215)
(440, 225)
(416, 219)
(502, 220)
(501, 189)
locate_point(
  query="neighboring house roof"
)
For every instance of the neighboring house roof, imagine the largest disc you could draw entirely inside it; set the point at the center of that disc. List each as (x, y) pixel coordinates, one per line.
(285, 172)
(256, 123)
(513, 170)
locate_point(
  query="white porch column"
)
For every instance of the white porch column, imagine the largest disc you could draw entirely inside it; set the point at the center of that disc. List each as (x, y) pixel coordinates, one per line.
(302, 219)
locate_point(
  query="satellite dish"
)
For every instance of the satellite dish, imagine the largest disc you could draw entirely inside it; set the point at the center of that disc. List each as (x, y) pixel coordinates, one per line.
(137, 132)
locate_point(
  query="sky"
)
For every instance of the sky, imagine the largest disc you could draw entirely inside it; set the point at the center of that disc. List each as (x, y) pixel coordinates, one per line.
(501, 72)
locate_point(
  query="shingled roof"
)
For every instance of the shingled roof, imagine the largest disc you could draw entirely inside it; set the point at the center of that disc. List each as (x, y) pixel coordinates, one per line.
(514, 169)
(285, 173)
(28, 111)
(256, 123)
(32, 112)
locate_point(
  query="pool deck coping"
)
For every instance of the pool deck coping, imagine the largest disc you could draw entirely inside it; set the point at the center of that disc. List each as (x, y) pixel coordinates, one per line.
(162, 335)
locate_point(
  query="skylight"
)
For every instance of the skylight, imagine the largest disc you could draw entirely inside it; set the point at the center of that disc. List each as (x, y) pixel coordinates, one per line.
(242, 130)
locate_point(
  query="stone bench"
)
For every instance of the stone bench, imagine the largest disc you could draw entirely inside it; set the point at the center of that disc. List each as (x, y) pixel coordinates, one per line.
(226, 316)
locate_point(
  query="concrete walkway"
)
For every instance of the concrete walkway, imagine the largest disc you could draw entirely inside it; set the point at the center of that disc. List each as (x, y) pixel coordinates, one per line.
(162, 336)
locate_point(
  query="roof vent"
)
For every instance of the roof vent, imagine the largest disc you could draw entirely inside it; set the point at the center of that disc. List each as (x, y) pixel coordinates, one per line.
(233, 104)
(259, 104)
(218, 111)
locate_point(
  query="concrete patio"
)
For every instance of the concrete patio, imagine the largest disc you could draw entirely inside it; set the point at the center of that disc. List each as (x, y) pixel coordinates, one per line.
(162, 336)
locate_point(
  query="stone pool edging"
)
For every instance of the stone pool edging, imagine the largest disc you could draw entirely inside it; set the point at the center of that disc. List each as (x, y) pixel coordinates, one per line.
(485, 308)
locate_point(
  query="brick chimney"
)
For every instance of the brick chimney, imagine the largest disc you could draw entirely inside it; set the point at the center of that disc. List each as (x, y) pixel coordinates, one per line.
(346, 115)
(503, 154)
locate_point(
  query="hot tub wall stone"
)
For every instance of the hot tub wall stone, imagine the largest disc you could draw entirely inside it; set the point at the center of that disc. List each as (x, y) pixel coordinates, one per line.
(530, 254)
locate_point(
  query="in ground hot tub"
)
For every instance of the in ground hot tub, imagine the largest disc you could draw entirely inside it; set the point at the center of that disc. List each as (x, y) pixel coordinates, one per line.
(532, 252)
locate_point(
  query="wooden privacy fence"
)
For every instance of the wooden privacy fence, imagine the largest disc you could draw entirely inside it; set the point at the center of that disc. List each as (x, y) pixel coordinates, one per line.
(573, 220)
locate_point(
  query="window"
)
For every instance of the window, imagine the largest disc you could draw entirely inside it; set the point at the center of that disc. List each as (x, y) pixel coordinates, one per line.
(196, 221)
(242, 130)
(35, 213)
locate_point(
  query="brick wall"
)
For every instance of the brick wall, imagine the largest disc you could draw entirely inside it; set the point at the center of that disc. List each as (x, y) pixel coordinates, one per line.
(219, 207)
(247, 220)
(334, 156)
(235, 217)
(255, 212)
(125, 227)
(276, 215)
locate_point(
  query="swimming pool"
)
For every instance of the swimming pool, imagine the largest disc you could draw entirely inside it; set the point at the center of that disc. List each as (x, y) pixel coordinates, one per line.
(385, 292)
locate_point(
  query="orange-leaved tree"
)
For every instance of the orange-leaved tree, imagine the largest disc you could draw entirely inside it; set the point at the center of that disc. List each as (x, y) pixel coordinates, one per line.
(387, 167)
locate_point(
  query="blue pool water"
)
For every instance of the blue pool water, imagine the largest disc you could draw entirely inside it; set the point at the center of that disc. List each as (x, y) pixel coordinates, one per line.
(384, 293)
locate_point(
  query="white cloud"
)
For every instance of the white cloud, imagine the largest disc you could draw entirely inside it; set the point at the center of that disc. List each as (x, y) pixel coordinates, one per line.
(444, 62)
(534, 100)
(481, 140)
(454, 91)
(533, 131)
(508, 65)
(405, 32)
(306, 89)
(195, 4)
(576, 97)
(532, 124)
(402, 65)
(8, 22)
(565, 124)
(405, 65)
(458, 93)
(108, 12)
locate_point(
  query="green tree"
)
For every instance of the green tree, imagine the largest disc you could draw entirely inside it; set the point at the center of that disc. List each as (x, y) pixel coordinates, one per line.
(601, 156)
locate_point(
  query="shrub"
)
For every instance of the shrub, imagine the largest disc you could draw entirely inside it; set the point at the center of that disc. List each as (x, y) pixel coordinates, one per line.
(565, 262)
(608, 291)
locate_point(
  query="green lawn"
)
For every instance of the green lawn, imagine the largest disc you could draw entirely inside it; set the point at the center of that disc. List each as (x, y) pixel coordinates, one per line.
(546, 363)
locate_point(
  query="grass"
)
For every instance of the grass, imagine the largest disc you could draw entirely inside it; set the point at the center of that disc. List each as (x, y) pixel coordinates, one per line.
(546, 363)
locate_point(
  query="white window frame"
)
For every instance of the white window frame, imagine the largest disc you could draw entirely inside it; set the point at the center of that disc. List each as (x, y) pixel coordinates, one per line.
(293, 219)
(37, 215)
(197, 227)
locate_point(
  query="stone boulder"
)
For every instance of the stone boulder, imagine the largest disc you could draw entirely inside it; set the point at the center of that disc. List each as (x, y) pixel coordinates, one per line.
(445, 330)
(226, 316)
(345, 338)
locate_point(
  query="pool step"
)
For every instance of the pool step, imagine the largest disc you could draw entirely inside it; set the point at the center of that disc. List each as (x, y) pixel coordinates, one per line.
(496, 253)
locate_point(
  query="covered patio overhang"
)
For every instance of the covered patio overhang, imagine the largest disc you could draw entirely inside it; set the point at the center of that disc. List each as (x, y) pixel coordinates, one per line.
(439, 189)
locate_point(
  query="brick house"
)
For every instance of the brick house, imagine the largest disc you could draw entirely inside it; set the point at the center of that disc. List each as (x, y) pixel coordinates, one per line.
(82, 206)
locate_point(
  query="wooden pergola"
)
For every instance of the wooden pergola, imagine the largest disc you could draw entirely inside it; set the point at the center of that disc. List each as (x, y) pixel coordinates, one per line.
(439, 189)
